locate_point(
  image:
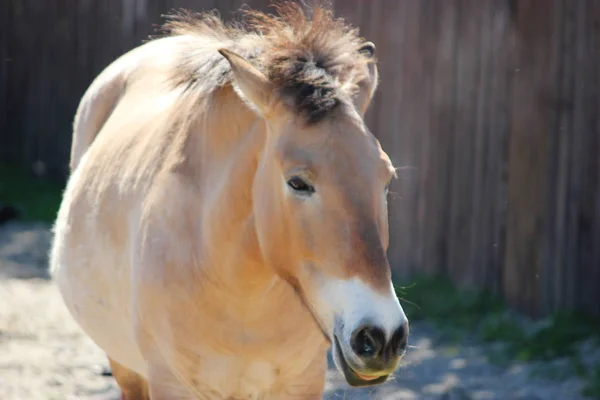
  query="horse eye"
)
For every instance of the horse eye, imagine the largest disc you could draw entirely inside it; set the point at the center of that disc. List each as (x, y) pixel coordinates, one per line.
(299, 185)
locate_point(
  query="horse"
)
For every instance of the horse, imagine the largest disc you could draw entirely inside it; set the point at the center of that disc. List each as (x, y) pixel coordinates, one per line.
(225, 224)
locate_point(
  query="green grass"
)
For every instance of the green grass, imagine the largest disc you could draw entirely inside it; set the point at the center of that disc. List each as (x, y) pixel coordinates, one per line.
(438, 300)
(36, 199)
(456, 312)
(592, 388)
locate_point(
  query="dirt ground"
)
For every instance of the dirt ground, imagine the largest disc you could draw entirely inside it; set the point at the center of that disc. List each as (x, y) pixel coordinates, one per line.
(44, 354)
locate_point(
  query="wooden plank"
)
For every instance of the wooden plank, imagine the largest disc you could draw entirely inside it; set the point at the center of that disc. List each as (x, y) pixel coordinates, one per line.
(12, 110)
(553, 267)
(437, 167)
(47, 86)
(479, 231)
(5, 59)
(578, 158)
(411, 89)
(528, 152)
(587, 218)
(592, 304)
(429, 44)
(502, 66)
(33, 93)
(461, 201)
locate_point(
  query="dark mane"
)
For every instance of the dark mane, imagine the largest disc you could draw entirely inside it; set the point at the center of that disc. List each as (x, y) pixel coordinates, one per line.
(310, 56)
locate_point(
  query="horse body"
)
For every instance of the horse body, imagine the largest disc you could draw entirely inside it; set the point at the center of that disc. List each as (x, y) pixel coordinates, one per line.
(175, 246)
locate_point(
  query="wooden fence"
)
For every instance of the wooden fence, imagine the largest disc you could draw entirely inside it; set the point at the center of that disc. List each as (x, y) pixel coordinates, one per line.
(489, 106)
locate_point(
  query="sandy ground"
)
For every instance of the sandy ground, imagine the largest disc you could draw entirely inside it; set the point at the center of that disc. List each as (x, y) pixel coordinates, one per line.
(44, 354)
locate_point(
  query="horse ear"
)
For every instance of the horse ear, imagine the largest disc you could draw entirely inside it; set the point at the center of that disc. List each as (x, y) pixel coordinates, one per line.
(368, 86)
(368, 49)
(251, 84)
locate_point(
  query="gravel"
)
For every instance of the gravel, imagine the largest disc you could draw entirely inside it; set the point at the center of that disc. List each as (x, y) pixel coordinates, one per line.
(44, 354)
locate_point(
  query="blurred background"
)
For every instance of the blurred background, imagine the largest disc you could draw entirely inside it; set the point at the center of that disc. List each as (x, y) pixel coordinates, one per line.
(490, 109)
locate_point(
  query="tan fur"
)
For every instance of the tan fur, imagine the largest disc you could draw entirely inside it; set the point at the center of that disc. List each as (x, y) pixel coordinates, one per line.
(178, 247)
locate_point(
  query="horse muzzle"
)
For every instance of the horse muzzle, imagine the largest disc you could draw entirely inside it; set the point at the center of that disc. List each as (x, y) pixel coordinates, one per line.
(368, 358)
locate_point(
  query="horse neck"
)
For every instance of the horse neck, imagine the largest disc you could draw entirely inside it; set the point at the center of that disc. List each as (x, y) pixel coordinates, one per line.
(221, 153)
(223, 149)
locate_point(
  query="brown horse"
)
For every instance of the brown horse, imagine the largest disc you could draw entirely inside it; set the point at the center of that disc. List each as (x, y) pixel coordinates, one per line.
(225, 221)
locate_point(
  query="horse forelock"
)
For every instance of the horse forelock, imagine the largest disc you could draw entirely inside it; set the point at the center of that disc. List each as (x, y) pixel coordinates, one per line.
(311, 56)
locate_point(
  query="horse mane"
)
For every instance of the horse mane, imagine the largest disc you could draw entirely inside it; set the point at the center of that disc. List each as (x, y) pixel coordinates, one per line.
(311, 57)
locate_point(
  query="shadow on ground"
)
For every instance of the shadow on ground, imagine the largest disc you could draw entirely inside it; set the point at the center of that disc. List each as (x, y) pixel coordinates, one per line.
(24, 250)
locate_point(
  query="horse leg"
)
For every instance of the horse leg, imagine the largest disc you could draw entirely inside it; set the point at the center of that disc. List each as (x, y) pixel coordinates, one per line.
(132, 385)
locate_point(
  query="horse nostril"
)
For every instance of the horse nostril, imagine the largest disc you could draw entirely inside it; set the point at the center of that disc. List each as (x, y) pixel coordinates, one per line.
(365, 345)
(399, 340)
(368, 342)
